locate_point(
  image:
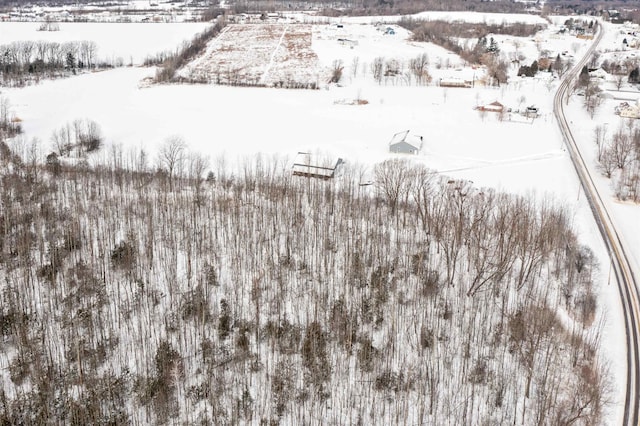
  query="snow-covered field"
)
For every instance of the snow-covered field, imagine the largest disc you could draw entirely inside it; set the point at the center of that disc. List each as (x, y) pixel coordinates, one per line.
(258, 54)
(131, 43)
(213, 120)
(513, 154)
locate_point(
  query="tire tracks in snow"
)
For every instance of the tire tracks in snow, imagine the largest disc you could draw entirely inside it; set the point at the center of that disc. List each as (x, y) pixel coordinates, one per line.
(268, 67)
(481, 164)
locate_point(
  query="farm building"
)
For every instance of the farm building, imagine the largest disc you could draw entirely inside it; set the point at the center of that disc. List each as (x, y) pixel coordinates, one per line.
(492, 107)
(309, 165)
(455, 82)
(404, 143)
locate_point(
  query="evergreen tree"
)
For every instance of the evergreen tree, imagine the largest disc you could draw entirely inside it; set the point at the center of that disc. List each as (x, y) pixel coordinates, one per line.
(634, 75)
(70, 61)
(557, 64)
(493, 46)
(583, 79)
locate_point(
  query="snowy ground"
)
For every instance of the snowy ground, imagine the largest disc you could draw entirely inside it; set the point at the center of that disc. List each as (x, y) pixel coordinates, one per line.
(309, 120)
(131, 43)
(514, 155)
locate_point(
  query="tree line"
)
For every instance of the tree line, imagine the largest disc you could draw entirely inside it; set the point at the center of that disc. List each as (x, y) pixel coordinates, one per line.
(23, 61)
(170, 63)
(376, 7)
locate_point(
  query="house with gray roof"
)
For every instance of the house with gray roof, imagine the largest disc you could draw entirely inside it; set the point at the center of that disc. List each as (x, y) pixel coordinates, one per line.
(405, 143)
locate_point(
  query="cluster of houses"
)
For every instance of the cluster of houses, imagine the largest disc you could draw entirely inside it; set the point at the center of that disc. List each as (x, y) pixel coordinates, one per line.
(631, 35)
(386, 30)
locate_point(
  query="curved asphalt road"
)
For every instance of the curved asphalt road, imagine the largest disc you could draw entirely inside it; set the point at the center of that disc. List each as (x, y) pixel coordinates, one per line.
(627, 284)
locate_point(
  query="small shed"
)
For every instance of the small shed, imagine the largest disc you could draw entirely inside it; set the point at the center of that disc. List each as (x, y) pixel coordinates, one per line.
(309, 165)
(531, 112)
(404, 143)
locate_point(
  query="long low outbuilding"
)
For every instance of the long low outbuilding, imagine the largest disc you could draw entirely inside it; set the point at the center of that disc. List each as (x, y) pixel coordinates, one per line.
(310, 165)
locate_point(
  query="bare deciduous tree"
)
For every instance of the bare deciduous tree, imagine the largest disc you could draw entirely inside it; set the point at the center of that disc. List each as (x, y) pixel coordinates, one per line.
(419, 67)
(599, 134)
(622, 148)
(336, 71)
(197, 166)
(355, 63)
(377, 67)
(393, 181)
(171, 157)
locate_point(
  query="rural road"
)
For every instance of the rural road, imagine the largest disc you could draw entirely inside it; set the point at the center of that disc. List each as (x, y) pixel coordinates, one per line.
(627, 285)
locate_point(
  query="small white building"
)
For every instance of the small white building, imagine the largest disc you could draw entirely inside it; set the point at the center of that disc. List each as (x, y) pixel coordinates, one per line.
(404, 143)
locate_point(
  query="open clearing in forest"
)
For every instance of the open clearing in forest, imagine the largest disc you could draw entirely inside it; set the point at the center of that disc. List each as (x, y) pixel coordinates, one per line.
(273, 55)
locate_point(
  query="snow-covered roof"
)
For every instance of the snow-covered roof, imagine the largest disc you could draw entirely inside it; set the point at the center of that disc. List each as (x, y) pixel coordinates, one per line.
(413, 140)
(599, 73)
(493, 106)
(454, 81)
(307, 164)
(399, 137)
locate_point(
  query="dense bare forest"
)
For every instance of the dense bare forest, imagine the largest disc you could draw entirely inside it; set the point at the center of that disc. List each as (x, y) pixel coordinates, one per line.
(133, 291)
